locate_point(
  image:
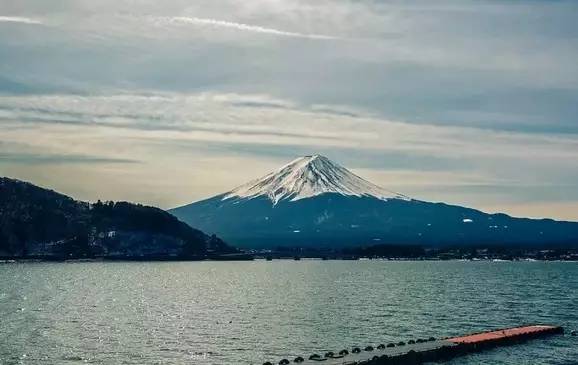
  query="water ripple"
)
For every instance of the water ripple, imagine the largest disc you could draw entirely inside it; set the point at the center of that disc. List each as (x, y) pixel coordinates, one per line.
(249, 312)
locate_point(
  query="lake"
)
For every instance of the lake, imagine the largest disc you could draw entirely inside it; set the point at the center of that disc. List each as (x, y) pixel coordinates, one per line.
(251, 312)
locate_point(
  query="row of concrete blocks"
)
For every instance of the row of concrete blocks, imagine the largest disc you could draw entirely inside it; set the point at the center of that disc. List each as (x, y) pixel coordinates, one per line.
(356, 350)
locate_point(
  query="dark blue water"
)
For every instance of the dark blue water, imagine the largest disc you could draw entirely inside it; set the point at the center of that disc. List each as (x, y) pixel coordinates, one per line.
(249, 312)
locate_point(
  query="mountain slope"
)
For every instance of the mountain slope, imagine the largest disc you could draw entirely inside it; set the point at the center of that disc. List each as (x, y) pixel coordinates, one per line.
(40, 222)
(307, 177)
(316, 203)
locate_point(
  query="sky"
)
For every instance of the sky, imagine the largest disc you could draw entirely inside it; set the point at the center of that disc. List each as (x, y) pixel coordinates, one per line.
(168, 102)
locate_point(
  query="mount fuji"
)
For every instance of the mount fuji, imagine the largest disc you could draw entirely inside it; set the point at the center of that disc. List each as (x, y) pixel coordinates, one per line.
(314, 202)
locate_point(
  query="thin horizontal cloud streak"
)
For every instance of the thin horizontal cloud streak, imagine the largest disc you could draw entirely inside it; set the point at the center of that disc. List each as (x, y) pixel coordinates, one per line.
(223, 130)
(152, 123)
(19, 19)
(59, 159)
(238, 26)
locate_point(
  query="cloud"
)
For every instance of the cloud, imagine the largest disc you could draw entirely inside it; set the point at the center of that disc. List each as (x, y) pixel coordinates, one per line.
(238, 26)
(496, 64)
(18, 19)
(264, 120)
(209, 94)
(54, 159)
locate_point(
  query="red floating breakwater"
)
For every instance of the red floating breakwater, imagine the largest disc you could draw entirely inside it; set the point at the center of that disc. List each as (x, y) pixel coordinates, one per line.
(505, 334)
(419, 351)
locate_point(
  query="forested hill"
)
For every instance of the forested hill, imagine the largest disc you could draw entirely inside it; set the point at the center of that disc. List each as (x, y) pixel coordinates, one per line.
(36, 222)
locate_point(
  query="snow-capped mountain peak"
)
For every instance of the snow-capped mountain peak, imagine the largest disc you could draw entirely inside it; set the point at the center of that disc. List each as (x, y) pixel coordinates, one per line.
(310, 176)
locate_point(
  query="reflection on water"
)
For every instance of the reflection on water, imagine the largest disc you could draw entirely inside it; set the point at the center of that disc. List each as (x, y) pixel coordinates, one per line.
(249, 312)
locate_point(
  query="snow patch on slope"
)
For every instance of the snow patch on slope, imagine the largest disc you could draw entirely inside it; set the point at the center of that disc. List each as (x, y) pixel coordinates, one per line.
(310, 176)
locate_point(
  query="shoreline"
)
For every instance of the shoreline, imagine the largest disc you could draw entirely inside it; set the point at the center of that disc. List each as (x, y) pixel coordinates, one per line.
(260, 259)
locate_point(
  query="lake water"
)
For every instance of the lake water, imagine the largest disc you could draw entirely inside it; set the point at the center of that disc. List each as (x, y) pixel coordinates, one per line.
(250, 312)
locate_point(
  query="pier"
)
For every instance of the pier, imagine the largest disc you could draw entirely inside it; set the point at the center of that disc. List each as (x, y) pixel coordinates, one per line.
(418, 351)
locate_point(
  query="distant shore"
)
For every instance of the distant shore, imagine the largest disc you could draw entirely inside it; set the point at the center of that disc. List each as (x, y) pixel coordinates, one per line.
(143, 259)
(215, 257)
(376, 252)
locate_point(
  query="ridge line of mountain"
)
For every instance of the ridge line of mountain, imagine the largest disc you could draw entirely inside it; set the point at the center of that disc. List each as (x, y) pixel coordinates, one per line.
(42, 223)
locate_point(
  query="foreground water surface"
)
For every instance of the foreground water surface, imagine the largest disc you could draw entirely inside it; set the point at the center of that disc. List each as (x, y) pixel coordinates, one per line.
(250, 312)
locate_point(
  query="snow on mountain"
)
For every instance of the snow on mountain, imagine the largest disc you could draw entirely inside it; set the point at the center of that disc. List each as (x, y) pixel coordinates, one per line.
(310, 176)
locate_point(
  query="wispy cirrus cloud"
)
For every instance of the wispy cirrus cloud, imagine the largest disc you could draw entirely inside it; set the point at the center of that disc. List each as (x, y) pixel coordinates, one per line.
(183, 20)
(246, 119)
(19, 19)
(59, 159)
